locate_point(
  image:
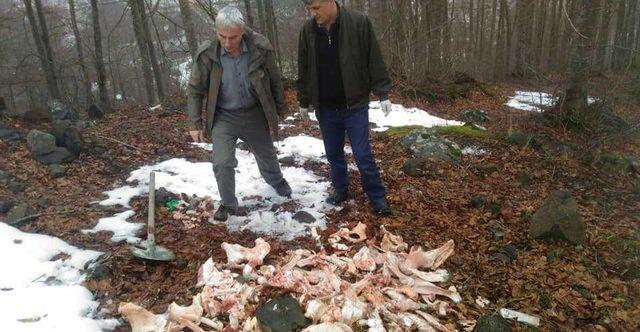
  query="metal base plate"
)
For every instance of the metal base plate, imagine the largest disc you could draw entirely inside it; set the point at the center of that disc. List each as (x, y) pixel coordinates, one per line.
(154, 253)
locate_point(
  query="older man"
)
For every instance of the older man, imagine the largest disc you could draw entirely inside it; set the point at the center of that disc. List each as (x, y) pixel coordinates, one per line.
(339, 64)
(239, 77)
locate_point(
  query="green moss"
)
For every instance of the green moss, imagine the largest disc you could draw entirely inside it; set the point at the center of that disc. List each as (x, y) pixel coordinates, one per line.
(401, 131)
(462, 131)
(453, 150)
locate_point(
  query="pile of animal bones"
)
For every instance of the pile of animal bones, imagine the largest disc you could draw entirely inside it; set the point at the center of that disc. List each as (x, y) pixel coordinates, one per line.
(394, 291)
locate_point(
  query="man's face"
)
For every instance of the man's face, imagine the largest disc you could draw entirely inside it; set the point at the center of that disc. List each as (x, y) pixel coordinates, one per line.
(231, 39)
(321, 10)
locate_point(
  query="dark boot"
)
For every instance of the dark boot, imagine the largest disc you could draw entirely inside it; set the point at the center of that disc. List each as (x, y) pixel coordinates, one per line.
(338, 198)
(283, 189)
(380, 207)
(223, 213)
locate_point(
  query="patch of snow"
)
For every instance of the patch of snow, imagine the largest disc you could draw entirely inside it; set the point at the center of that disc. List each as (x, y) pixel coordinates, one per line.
(472, 151)
(401, 116)
(153, 108)
(41, 294)
(533, 101)
(119, 96)
(119, 226)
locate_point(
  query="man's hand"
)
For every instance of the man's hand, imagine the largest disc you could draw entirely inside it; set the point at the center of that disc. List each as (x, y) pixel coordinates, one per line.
(304, 114)
(386, 107)
(197, 136)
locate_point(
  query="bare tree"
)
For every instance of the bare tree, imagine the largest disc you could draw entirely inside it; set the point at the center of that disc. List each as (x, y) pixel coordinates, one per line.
(189, 30)
(100, 67)
(138, 21)
(249, 15)
(78, 42)
(45, 61)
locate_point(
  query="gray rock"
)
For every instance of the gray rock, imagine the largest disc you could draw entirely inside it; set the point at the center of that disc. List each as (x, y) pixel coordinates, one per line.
(5, 206)
(18, 212)
(60, 111)
(523, 139)
(486, 169)
(58, 156)
(9, 134)
(40, 143)
(98, 271)
(474, 116)
(68, 135)
(287, 161)
(43, 203)
(57, 171)
(524, 179)
(558, 218)
(35, 115)
(413, 167)
(95, 112)
(16, 187)
(507, 254)
(163, 195)
(283, 314)
(477, 202)
(304, 217)
(492, 323)
(426, 143)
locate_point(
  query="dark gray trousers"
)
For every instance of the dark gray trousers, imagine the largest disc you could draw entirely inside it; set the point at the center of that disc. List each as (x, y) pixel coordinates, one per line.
(251, 127)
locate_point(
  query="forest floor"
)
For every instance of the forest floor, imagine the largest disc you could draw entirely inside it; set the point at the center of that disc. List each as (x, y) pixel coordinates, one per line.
(591, 287)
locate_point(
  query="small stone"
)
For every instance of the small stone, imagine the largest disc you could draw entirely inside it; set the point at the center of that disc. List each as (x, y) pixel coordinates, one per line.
(5, 206)
(181, 263)
(413, 167)
(60, 111)
(18, 212)
(57, 171)
(16, 187)
(304, 217)
(486, 169)
(43, 203)
(163, 196)
(98, 271)
(524, 179)
(492, 323)
(558, 218)
(17, 241)
(474, 116)
(275, 207)
(477, 202)
(287, 161)
(282, 314)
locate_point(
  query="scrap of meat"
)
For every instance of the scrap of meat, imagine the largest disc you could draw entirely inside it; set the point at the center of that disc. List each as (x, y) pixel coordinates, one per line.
(237, 254)
(140, 319)
(379, 288)
(432, 259)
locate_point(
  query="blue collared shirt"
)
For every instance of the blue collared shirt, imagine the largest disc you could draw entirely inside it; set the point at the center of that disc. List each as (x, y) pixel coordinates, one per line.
(235, 88)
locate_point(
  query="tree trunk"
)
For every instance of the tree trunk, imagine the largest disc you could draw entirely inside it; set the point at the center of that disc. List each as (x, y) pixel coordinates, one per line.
(100, 68)
(49, 73)
(272, 26)
(247, 8)
(46, 42)
(189, 30)
(138, 21)
(153, 58)
(611, 36)
(86, 82)
(262, 17)
(574, 104)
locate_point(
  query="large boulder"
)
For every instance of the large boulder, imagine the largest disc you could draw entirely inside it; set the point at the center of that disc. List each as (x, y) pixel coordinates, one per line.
(281, 314)
(60, 111)
(425, 143)
(67, 135)
(9, 134)
(558, 218)
(37, 114)
(59, 155)
(40, 143)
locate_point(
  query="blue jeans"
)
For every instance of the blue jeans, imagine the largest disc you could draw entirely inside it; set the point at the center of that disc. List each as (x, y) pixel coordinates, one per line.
(333, 125)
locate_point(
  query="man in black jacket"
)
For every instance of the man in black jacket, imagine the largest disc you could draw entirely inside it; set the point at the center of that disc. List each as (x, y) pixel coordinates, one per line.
(339, 65)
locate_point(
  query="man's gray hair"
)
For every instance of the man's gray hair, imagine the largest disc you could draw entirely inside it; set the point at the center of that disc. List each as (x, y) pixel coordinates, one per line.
(229, 17)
